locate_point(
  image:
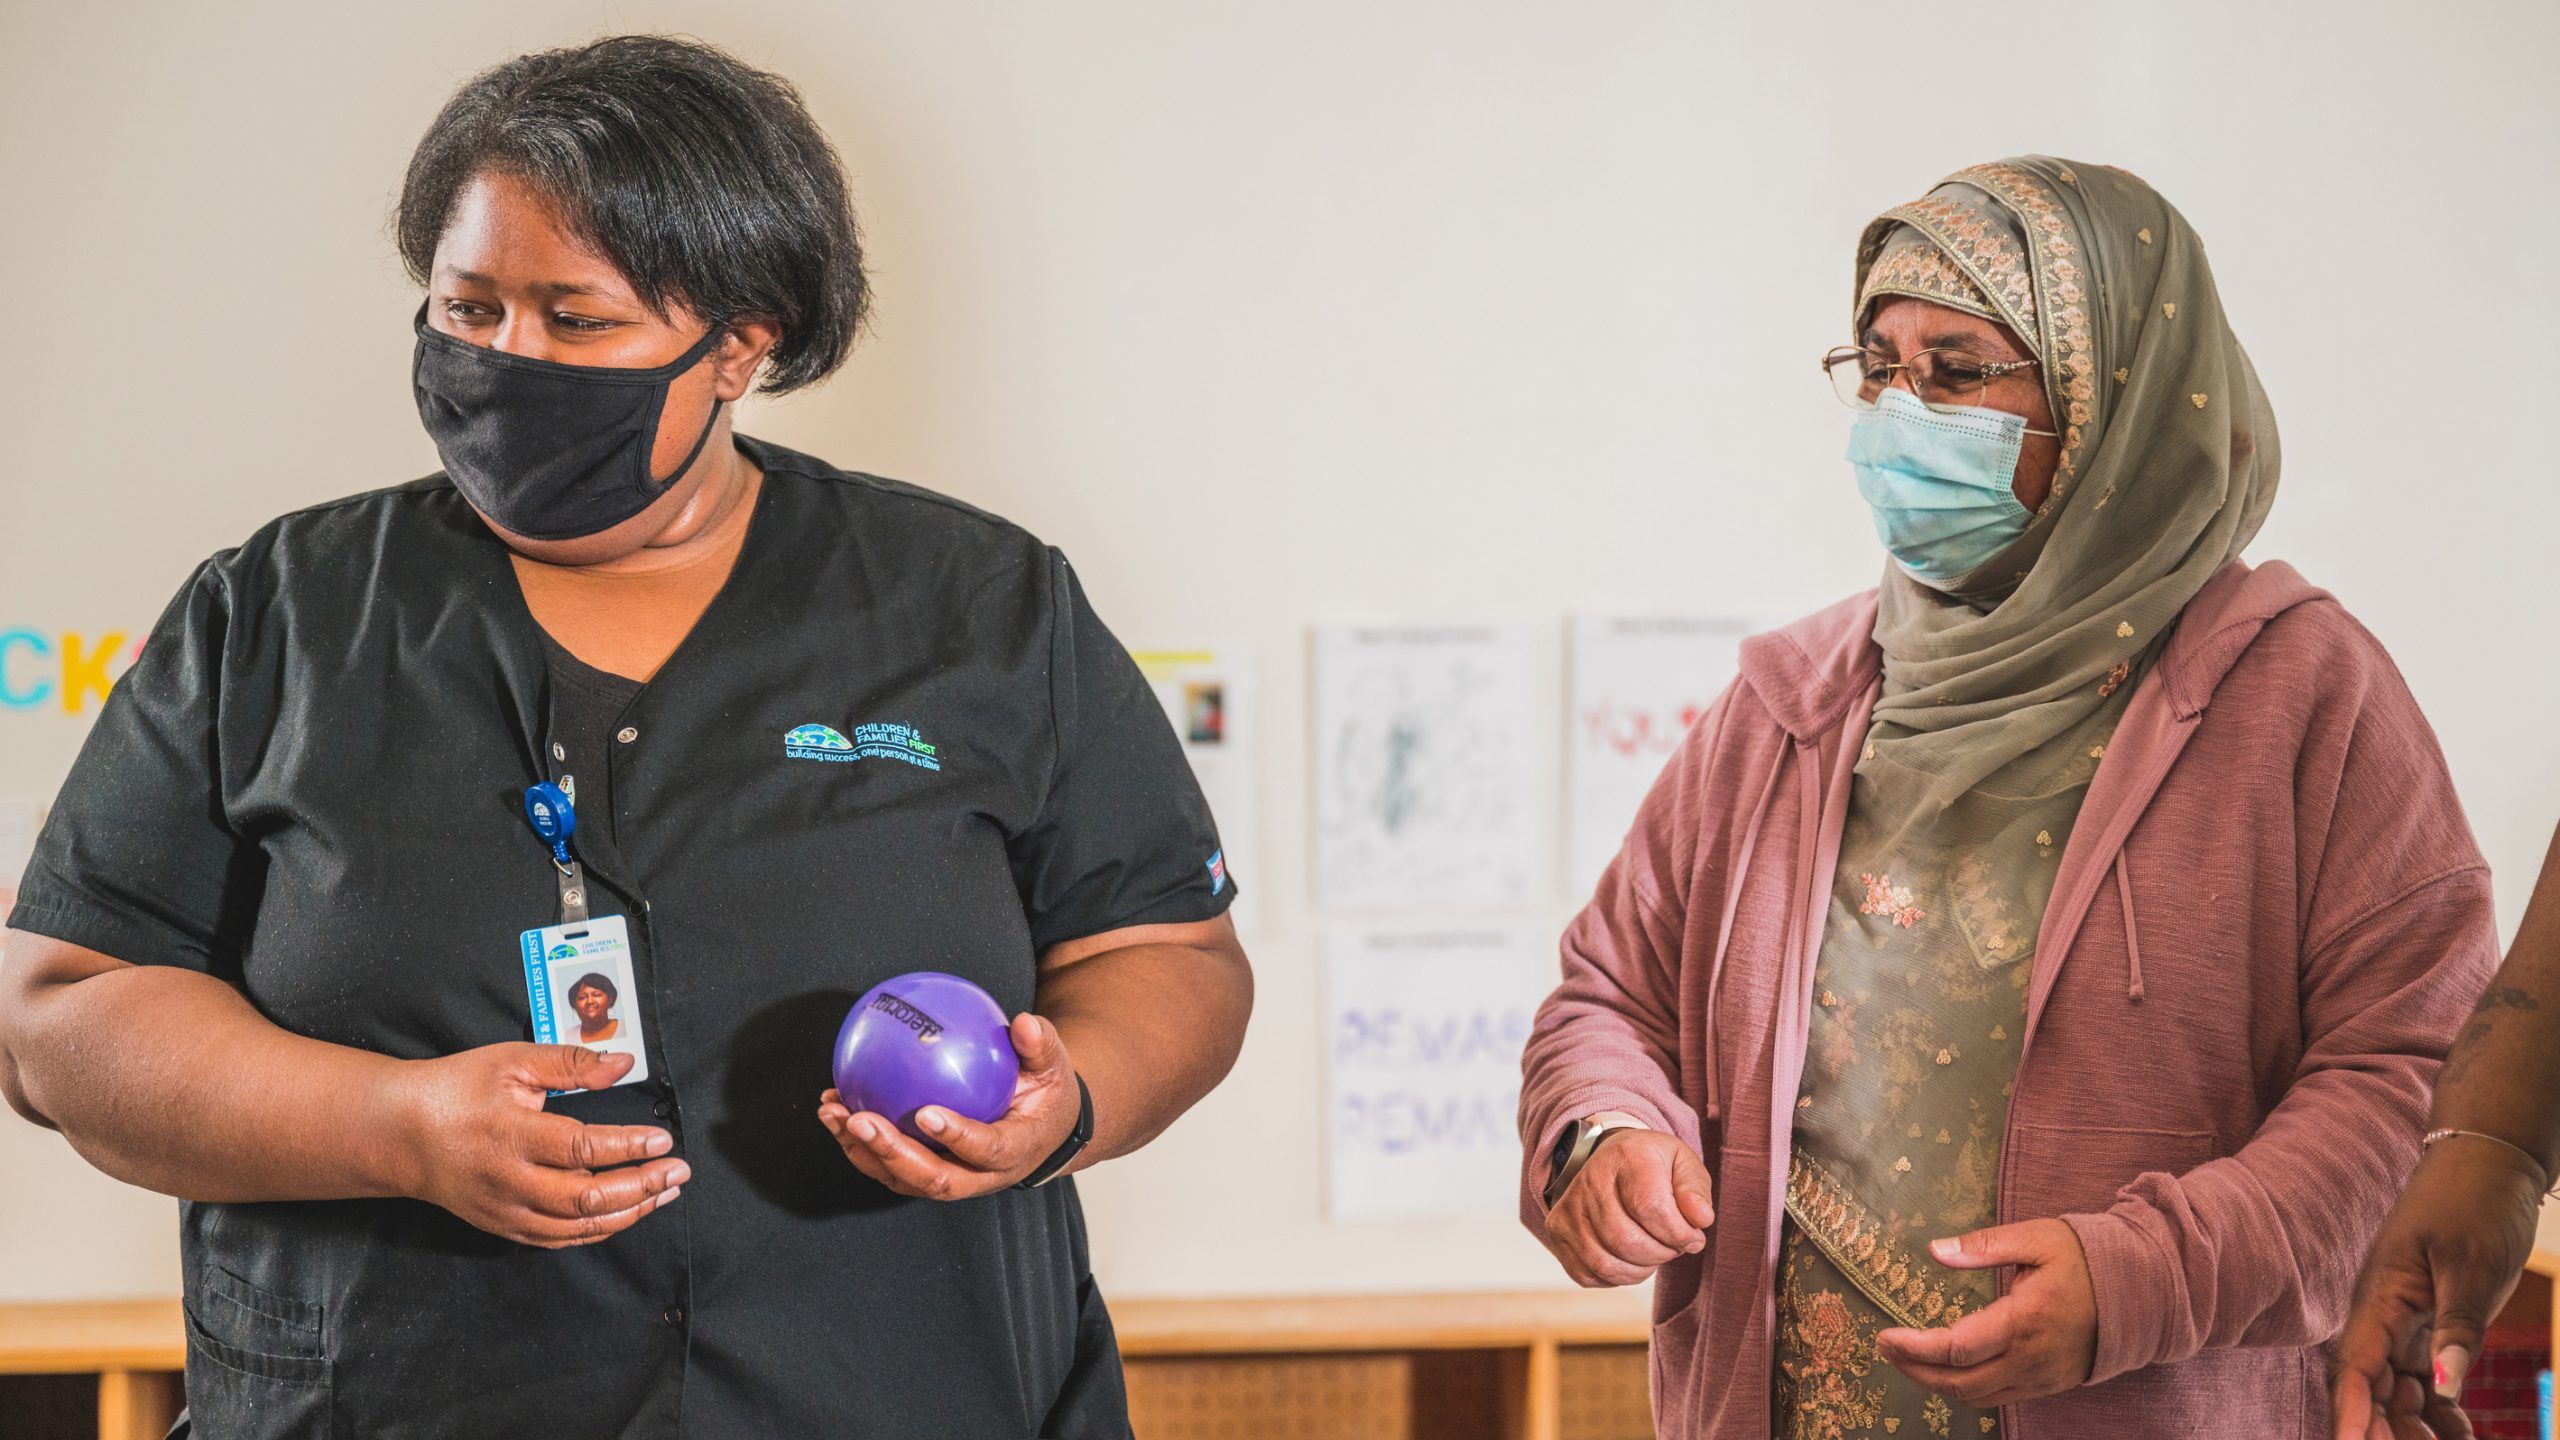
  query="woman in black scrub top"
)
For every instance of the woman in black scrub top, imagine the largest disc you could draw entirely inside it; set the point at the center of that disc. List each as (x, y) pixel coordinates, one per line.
(267, 956)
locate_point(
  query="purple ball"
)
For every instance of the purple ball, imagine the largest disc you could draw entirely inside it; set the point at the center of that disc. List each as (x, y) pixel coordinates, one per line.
(926, 1039)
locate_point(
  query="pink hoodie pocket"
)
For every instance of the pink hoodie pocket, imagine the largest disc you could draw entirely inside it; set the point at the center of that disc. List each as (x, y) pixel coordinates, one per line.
(1680, 1284)
(2076, 1169)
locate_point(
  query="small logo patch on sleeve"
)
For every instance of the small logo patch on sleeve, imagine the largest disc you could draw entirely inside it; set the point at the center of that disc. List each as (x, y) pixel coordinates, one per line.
(1218, 873)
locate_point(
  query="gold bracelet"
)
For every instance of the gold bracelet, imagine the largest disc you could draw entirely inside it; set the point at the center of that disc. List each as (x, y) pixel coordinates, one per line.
(2433, 1136)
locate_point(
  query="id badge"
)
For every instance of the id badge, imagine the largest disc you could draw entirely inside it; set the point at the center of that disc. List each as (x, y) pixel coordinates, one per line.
(578, 977)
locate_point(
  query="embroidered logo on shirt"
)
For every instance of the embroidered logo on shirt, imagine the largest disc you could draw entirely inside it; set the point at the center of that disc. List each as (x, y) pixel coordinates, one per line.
(869, 742)
(816, 742)
(1218, 873)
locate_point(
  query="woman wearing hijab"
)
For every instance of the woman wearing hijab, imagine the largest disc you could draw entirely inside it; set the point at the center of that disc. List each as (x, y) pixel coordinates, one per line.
(2003, 1007)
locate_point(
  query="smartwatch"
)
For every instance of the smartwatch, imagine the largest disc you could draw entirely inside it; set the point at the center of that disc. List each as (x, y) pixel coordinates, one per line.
(1069, 1148)
(1575, 1147)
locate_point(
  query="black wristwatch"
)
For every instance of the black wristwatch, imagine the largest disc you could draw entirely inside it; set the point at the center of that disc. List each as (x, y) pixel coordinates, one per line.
(1069, 1148)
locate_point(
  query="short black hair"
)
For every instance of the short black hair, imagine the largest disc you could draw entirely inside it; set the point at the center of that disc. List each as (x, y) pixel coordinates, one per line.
(596, 982)
(701, 178)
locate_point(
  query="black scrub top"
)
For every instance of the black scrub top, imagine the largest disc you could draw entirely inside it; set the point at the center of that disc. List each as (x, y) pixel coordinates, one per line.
(309, 785)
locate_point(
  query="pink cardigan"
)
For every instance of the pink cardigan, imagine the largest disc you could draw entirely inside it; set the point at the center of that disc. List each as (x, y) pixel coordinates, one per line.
(2270, 920)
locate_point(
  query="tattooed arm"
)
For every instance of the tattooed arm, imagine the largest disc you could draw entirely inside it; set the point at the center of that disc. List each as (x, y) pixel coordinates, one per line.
(2448, 1256)
(2503, 1073)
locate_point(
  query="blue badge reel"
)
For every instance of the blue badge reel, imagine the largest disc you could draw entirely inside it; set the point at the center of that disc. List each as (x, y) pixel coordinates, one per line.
(553, 818)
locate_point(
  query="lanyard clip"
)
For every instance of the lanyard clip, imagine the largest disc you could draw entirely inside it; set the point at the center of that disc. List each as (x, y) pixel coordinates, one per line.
(573, 895)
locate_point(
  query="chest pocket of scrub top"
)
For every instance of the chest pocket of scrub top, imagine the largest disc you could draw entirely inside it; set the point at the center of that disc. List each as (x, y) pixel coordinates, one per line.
(257, 1362)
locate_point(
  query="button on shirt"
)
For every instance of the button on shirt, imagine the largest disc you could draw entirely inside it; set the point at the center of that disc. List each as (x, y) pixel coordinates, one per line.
(587, 705)
(898, 740)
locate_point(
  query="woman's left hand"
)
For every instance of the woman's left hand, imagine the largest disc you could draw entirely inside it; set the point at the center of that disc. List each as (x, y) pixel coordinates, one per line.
(2443, 1264)
(2039, 1339)
(983, 1158)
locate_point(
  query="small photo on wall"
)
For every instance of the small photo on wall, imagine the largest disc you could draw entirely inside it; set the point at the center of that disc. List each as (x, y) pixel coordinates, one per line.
(1204, 709)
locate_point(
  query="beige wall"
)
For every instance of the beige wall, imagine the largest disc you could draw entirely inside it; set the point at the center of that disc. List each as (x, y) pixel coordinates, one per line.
(1276, 313)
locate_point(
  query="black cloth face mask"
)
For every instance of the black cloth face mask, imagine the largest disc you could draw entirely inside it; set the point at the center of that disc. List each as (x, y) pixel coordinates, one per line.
(548, 451)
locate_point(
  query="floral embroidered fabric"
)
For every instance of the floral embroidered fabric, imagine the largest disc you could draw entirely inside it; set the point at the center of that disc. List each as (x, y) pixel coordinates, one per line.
(1919, 1016)
(1898, 1277)
(1911, 265)
(1831, 1383)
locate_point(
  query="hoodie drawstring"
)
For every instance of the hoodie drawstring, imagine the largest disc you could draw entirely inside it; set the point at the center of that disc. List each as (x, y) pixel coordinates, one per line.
(1724, 932)
(2132, 935)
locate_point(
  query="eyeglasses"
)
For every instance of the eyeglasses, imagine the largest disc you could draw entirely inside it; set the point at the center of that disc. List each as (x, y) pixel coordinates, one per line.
(1943, 379)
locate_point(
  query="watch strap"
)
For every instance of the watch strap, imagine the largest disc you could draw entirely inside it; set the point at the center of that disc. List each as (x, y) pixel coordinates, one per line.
(1069, 1148)
(1575, 1147)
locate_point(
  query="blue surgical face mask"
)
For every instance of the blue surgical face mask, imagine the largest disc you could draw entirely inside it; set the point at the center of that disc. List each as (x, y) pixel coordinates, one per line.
(1939, 483)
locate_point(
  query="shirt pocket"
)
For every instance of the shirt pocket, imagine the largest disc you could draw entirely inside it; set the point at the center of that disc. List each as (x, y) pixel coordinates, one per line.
(257, 1362)
(2077, 1169)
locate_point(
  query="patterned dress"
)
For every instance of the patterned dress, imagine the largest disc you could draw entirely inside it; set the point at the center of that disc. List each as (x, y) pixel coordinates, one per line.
(1918, 1021)
(1910, 1058)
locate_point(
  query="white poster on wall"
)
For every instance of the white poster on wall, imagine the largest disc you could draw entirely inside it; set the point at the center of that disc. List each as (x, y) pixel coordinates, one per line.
(1638, 683)
(1423, 1031)
(1424, 774)
(1207, 692)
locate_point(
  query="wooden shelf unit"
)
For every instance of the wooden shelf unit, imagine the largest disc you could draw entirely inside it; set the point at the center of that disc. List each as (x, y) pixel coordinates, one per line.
(1545, 1365)
(128, 1354)
(1566, 1365)
(1563, 1365)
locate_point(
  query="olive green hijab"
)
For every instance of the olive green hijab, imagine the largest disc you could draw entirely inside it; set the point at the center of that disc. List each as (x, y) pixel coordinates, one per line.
(2168, 466)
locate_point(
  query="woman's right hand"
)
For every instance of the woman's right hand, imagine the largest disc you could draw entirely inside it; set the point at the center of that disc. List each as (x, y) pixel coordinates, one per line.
(1642, 1200)
(477, 1141)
